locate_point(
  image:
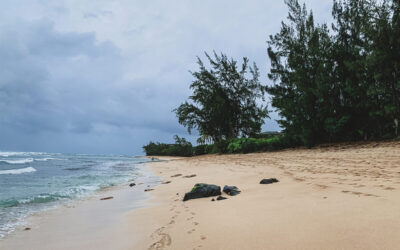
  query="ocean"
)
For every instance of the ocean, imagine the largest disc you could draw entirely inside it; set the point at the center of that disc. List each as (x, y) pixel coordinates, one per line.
(32, 182)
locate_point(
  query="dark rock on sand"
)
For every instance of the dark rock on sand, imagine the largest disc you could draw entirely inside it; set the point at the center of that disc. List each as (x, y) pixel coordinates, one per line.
(220, 198)
(212, 199)
(27, 229)
(148, 190)
(166, 182)
(189, 176)
(231, 190)
(268, 181)
(176, 175)
(132, 184)
(107, 198)
(201, 190)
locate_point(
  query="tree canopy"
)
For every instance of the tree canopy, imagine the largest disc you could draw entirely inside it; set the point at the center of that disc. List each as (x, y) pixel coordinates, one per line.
(227, 100)
(339, 83)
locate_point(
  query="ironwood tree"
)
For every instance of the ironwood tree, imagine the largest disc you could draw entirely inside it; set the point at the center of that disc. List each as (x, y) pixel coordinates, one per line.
(227, 100)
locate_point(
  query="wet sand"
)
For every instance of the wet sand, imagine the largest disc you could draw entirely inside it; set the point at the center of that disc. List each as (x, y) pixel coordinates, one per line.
(89, 223)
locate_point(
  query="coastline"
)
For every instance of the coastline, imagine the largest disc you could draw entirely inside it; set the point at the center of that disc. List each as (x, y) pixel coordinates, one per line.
(337, 197)
(86, 223)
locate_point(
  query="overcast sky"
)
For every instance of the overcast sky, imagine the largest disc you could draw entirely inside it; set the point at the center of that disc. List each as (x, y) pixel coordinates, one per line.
(102, 76)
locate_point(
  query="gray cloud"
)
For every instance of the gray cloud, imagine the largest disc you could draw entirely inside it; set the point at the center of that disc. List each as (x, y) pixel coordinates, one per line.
(103, 77)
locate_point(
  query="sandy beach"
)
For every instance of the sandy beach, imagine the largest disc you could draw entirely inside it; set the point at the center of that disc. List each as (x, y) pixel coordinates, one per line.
(338, 197)
(341, 197)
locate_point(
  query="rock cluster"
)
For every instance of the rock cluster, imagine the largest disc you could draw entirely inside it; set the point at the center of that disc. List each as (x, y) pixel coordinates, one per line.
(231, 190)
(201, 190)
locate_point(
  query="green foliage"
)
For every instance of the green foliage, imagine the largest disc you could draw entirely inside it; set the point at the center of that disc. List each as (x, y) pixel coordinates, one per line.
(196, 186)
(236, 145)
(211, 149)
(155, 148)
(267, 135)
(200, 149)
(225, 101)
(248, 145)
(339, 84)
(180, 148)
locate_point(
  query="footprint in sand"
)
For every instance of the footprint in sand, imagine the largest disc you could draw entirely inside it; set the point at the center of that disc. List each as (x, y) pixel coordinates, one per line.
(164, 241)
(203, 237)
(359, 193)
(191, 231)
(359, 186)
(321, 186)
(288, 173)
(195, 223)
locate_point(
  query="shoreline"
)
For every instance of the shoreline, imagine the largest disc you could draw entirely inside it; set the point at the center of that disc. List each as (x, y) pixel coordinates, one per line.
(342, 197)
(87, 222)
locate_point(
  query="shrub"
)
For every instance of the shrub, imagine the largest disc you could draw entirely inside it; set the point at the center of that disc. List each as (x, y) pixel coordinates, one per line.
(248, 145)
(237, 145)
(210, 149)
(180, 148)
(200, 149)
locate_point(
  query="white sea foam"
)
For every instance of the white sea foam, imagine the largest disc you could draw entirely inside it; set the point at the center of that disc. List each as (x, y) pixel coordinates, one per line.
(19, 161)
(46, 159)
(18, 171)
(7, 154)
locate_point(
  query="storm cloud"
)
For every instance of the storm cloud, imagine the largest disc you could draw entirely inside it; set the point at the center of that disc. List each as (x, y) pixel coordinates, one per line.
(103, 76)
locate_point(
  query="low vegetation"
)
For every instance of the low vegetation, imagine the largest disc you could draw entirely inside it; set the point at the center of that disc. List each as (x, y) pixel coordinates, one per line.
(233, 146)
(181, 147)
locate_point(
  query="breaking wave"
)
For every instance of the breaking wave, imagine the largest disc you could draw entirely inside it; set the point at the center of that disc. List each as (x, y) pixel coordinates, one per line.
(20, 161)
(18, 171)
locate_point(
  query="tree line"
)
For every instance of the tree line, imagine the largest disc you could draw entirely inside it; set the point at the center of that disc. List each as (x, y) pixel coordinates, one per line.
(338, 82)
(330, 83)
